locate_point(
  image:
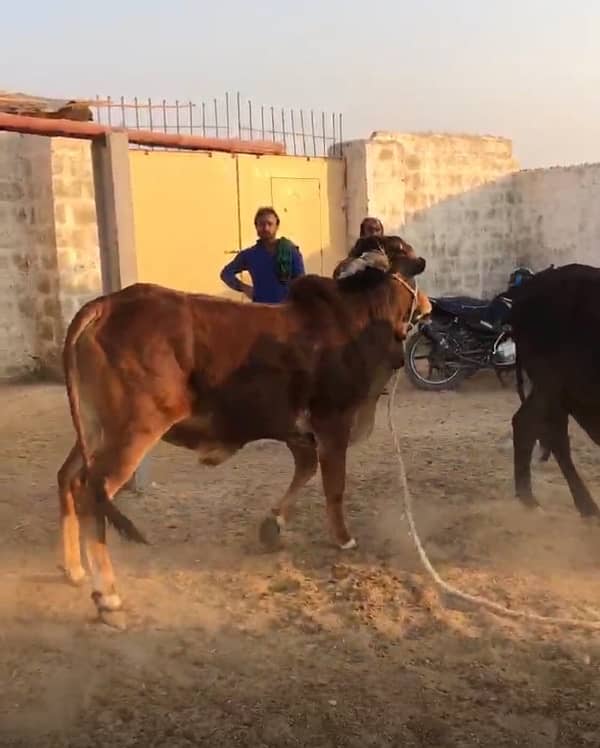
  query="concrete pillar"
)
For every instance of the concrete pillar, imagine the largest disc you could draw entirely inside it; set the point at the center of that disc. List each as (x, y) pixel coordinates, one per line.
(114, 209)
(357, 195)
(375, 184)
(116, 234)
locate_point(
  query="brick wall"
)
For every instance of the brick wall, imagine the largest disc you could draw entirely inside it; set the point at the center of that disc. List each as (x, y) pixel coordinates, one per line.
(76, 248)
(26, 236)
(49, 257)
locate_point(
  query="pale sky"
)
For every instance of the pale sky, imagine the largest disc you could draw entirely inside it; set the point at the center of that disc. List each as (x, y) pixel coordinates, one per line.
(525, 69)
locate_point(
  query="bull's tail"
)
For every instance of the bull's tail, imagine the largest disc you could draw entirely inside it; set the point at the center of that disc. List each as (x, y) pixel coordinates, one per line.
(122, 524)
(519, 376)
(88, 314)
(104, 507)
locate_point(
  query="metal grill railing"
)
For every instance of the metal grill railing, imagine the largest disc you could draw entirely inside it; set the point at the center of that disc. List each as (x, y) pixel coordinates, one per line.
(304, 133)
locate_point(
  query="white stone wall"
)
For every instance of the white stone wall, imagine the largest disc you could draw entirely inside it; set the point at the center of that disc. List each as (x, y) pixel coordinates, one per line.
(49, 256)
(25, 232)
(465, 206)
(76, 250)
(449, 195)
(556, 216)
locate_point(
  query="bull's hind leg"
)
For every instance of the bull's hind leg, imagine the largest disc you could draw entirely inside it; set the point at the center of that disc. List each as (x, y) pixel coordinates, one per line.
(69, 488)
(304, 451)
(526, 427)
(111, 468)
(67, 482)
(558, 441)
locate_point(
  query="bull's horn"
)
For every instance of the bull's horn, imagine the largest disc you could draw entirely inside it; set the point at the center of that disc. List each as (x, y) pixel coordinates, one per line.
(375, 259)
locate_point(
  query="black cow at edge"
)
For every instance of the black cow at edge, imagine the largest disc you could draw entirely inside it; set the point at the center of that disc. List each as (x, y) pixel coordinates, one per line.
(556, 328)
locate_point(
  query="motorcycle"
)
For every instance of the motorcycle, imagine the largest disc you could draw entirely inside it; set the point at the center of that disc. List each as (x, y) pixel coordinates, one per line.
(461, 336)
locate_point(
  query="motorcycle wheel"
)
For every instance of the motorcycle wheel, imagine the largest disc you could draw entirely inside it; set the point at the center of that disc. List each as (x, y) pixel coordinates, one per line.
(450, 377)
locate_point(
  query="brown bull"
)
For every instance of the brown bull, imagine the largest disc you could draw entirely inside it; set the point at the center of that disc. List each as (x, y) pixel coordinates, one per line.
(148, 363)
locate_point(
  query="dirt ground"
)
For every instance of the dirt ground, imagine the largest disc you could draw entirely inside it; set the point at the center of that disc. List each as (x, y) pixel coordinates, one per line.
(310, 646)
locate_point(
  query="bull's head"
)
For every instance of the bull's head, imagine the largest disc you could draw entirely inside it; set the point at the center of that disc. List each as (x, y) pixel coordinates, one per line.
(401, 257)
(378, 256)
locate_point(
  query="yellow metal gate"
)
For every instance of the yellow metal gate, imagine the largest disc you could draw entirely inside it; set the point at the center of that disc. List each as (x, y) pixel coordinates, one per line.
(193, 211)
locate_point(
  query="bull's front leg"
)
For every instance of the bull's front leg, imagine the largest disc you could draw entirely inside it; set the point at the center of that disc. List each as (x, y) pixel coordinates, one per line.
(304, 451)
(332, 449)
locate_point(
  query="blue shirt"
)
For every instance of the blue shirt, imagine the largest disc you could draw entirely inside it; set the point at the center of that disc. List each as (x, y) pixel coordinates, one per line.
(261, 264)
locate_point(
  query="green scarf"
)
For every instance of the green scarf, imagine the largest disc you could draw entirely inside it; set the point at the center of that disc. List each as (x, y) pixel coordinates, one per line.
(283, 259)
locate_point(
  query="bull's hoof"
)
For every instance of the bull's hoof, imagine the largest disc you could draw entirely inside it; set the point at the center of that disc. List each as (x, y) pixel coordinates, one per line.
(270, 533)
(109, 609)
(116, 619)
(538, 509)
(75, 577)
(349, 545)
(529, 503)
(110, 602)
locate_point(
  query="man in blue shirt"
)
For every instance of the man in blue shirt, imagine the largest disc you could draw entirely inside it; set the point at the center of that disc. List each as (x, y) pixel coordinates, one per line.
(271, 262)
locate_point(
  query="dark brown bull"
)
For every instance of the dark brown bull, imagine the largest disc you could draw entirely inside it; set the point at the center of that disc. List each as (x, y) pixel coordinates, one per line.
(148, 363)
(555, 320)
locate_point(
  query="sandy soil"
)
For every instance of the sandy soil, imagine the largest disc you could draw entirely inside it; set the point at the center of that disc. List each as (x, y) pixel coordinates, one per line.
(227, 645)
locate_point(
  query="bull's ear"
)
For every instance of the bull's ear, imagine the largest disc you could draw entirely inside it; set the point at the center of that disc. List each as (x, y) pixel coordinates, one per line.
(409, 267)
(423, 304)
(375, 260)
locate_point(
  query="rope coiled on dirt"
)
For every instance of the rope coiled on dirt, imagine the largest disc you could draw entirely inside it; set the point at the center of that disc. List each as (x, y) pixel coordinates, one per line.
(449, 589)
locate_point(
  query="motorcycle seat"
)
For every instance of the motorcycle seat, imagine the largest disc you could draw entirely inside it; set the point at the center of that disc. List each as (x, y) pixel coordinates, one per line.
(461, 306)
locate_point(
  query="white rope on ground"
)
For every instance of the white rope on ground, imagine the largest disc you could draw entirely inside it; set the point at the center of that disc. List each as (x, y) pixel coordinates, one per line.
(476, 600)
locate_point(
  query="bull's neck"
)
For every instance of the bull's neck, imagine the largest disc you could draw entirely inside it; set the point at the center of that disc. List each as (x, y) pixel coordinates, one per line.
(371, 306)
